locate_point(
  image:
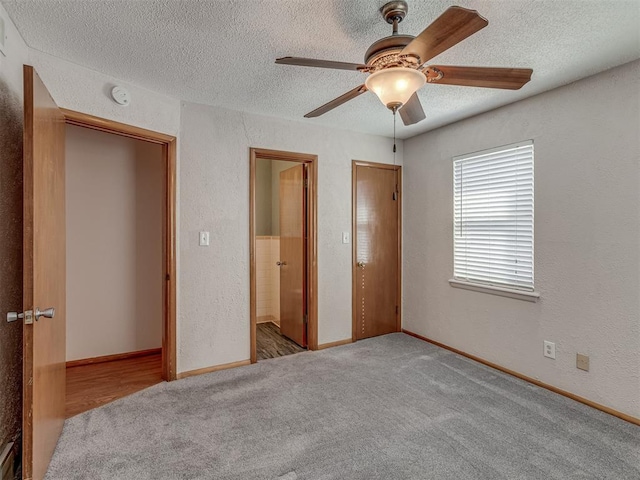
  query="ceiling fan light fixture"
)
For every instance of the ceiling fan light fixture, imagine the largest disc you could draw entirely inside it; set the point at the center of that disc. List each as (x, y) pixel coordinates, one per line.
(394, 86)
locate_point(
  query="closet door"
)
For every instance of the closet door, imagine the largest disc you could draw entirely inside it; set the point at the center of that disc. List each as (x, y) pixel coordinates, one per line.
(376, 268)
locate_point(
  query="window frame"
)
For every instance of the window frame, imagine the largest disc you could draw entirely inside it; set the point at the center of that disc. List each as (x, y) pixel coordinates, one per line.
(498, 288)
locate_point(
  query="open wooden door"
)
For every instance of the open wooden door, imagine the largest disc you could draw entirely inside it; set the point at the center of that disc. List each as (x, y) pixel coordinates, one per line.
(293, 274)
(376, 288)
(44, 276)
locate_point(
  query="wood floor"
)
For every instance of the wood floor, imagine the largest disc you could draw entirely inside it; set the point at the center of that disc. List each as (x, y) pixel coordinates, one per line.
(90, 386)
(270, 344)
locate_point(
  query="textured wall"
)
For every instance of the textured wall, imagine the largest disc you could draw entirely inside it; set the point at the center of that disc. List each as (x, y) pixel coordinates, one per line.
(11, 231)
(10, 263)
(587, 241)
(214, 184)
(114, 244)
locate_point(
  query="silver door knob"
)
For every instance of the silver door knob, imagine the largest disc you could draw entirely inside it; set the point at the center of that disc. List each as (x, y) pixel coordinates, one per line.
(360, 264)
(13, 316)
(29, 315)
(47, 313)
(281, 264)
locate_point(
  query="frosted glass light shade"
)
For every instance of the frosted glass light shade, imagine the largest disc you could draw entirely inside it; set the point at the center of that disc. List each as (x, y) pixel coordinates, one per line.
(394, 86)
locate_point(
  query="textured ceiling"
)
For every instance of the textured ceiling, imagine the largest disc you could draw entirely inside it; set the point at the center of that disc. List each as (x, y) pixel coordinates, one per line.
(222, 52)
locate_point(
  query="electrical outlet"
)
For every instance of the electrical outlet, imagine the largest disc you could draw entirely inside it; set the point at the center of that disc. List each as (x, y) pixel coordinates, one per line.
(582, 362)
(549, 349)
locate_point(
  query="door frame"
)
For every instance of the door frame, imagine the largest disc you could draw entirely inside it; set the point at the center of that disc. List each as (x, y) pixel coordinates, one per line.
(169, 154)
(312, 240)
(354, 243)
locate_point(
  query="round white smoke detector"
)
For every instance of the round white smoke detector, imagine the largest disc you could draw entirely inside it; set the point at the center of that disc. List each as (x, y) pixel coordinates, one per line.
(121, 96)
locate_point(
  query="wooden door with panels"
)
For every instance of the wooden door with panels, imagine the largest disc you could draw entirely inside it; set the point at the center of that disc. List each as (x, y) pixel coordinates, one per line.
(43, 276)
(376, 249)
(293, 254)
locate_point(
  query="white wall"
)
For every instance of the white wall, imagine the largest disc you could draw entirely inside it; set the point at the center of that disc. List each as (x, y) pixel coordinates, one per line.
(263, 197)
(114, 244)
(16, 54)
(214, 185)
(268, 195)
(267, 279)
(150, 208)
(277, 166)
(87, 91)
(587, 242)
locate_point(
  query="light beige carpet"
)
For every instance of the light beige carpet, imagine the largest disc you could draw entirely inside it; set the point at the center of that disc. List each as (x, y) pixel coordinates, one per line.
(386, 408)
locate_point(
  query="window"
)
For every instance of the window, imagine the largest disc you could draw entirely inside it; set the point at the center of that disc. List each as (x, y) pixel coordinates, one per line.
(493, 217)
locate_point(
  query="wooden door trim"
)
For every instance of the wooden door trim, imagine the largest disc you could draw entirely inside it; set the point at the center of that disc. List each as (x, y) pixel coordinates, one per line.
(169, 152)
(384, 166)
(354, 244)
(312, 241)
(110, 126)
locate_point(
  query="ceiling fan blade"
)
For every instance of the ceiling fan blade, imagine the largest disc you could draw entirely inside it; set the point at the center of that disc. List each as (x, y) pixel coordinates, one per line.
(453, 26)
(412, 112)
(488, 77)
(312, 62)
(336, 102)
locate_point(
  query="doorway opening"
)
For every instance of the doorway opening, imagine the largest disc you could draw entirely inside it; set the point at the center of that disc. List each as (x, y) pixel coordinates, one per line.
(283, 253)
(119, 230)
(377, 249)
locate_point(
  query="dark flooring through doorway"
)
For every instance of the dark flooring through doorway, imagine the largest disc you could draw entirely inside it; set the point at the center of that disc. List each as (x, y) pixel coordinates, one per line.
(270, 343)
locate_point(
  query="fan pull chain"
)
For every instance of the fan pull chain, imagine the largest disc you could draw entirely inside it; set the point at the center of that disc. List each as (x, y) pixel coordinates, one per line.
(394, 137)
(395, 192)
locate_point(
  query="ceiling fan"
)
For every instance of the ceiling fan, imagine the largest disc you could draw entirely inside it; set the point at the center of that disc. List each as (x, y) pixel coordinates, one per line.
(397, 69)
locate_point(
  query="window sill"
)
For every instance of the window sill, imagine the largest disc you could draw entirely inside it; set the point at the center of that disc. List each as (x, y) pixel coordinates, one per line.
(501, 291)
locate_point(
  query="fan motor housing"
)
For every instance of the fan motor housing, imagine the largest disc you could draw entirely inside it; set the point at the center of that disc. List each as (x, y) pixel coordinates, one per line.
(384, 52)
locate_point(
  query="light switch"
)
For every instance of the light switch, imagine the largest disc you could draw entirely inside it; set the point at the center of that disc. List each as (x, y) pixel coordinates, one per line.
(204, 239)
(345, 237)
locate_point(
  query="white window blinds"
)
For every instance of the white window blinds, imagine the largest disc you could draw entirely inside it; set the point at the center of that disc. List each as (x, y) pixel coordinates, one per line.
(493, 216)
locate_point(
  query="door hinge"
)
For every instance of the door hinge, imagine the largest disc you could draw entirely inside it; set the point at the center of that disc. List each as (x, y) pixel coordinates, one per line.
(306, 183)
(167, 277)
(397, 309)
(305, 318)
